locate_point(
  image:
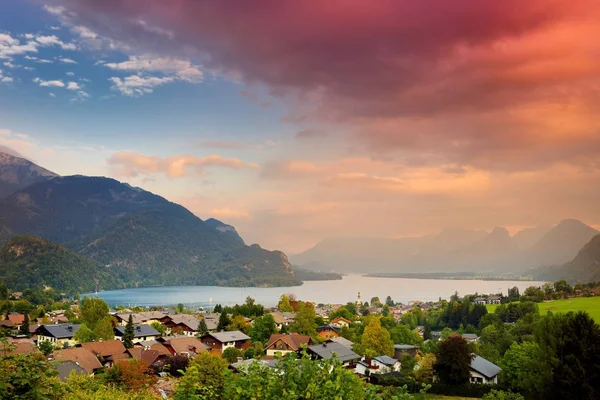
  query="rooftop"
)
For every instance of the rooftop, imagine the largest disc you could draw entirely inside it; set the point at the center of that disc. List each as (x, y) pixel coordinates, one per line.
(82, 357)
(385, 360)
(485, 367)
(233, 336)
(329, 350)
(60, 331)
(138, 331)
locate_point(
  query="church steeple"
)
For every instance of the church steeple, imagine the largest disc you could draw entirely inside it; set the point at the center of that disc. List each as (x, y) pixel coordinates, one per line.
(358, 300)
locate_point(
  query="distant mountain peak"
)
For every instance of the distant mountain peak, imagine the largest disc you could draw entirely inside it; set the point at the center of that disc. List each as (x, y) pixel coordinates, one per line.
(9, 151)
(17, 173)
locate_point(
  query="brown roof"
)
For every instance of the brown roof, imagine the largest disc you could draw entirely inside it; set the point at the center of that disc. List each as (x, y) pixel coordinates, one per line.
(7, 323)
(105, 348)
(16, 319)
(18, 346)
(338, 319)
(136, 352)
(183, 345)
(83, 357)
(294, 340)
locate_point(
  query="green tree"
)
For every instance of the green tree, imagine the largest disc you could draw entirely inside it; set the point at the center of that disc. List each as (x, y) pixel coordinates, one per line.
(304, 321)
(376, 340)
(389, 301)
(202, 328)
(401, 334)
(262, 329)
(342, 312)
(28, 376)
(204, 379)
(453, 359)
(218, 308)
(45, 347)
(24, 329)
(524, 369)
(224, 322)
(285, 304)
(351, 307)
(84, 334)
(93, 310)
(513, 294)
(104, 329)
(129, 333)
(238, 323)
(3, 291)
(385, 311)
(375, 302)
(502, 395)
(159, 327)
(231, 354)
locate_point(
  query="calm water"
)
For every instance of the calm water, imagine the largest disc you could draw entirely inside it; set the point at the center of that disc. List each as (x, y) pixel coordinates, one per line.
(340, 292)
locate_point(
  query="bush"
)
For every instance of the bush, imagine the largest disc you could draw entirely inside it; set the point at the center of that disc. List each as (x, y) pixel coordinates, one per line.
(502, 395)
(231, 354)
(468, 390)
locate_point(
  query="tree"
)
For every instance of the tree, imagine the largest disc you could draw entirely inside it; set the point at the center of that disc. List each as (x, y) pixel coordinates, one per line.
(24, 329)
(533, 293)
(262, 329)
(129, 334)
(502, 395)
(385, 311)
(524, 369)
(285, 304)
(389, 301)
(304, 321)
(342, 312)
(218, 308)
(84, 334)
(204, 379)
(45, 347)
(105, 330)
(351, 307)
(238, 323)
(224, 322)
(180, 308)
(93, 310)
(231, 354)
(513, 294)
(28, 376)
(3, 291)
(453, 359)
(159, 327)
(375, 302)
(202, 328)
(376, 340)
(427, 331)
(425, 369)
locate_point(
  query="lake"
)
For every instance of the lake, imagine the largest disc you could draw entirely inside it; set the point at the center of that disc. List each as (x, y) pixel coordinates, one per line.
(333, 292)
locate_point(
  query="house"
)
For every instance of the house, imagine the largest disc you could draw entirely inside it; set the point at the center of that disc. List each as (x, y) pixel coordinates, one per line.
(154, 358)
(483, 371)
(61, 319)
(470, 337)
(80, 356)
(328, 350)
(57, 334)
(494, 299)
(400, 350)
(65, 369)
(107, 351)
(328, 331)
(285, 344)
(140, 333)
(341, 322)
(343, 341)
(182, 324)
(479, 300)
(18, 346)
(487, 300)
(123, 318)
(242, 365)
(219, 341)
(184, 346)
(386, 364)
(16, 319)
(283, 318)
(436, 335)
(7, 324)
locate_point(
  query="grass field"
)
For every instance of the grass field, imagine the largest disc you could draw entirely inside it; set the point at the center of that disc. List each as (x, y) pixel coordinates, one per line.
(589, 304)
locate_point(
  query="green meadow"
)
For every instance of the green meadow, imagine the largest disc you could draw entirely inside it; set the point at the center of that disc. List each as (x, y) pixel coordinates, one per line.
(589, 304)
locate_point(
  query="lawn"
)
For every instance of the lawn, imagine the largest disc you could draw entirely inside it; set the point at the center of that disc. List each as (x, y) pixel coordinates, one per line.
(589, 304)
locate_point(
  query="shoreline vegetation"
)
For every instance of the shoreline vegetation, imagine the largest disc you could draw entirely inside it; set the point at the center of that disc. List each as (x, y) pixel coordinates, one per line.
(450, 276)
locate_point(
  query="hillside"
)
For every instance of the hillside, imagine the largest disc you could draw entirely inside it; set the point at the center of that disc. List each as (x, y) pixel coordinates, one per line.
(33, 262)
(140, 237)
(17, 173)
(451, 251)
(585, 267)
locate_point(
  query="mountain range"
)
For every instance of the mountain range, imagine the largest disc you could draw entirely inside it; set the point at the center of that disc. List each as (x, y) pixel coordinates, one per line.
(139, 238)
(452, 250)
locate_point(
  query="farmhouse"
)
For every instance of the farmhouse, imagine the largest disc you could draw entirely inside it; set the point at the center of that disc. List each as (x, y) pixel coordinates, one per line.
(140, 333)
(483, 371)
(284, 344)
(58, 334)
(219, 341)
(328, 350)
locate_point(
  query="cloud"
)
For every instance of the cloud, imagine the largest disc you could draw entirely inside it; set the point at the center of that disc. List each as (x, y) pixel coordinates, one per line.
(130, 164)
(51, 94)
(10, 47)
(136, 85)
(54, 41)
(309, 134)
(53, 83)
(73, 86)
(67, 60)
(225, 144)
(70, 73)
(177, 69)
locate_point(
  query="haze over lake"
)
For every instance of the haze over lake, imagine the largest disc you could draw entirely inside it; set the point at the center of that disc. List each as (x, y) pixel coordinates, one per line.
(401, 289)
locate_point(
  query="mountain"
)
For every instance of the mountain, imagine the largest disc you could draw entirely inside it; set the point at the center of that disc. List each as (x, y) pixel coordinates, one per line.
(561, 243)
(585, 267)
(224, 228)
(17, 172)
(10, 152)
(141, 238)
(527, 237)
(33, 262)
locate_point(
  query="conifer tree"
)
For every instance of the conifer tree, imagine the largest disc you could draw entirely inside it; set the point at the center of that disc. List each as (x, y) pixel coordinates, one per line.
(129, 333)
(202, 328)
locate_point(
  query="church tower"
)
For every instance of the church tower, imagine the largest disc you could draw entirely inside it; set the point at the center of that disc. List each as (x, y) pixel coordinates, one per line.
(359, 301)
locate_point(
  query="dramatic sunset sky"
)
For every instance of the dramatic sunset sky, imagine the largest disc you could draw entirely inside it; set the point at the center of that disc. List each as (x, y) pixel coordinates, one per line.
(301, 120)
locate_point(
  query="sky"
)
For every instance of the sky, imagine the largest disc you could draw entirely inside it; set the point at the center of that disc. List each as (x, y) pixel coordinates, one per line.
(297, 121)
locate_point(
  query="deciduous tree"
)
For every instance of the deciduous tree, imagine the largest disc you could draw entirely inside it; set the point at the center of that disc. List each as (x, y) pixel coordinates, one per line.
(453, 359)
(376, 340)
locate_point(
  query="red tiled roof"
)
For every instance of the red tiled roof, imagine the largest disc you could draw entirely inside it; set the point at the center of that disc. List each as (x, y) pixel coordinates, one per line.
(83, 357)
(105, 348)
(294, 340)
(16, 319)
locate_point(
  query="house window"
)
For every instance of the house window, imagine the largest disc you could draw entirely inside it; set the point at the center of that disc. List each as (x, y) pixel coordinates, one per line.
(476, 379)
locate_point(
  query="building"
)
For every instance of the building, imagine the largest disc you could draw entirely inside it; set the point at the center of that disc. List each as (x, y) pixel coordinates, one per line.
(386, 364)
(65, 369)
(140, 333)
(341, 322)
(182, 324)
(283, 318)
(343, 341)
(107, 351)
(220, 341)
(18, 346)
(328, 350)
(81, 357)
(285, 344)
(57, 334)
(328, 332)
(146, 317)
(470, 337)
(400, 350)
(487, 300)
(483, 371)
(16, 319)
(183, 346)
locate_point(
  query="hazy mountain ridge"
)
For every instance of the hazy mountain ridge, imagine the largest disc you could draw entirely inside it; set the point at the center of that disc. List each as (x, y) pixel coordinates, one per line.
(141, 238)
(17, 173)
(469, 251)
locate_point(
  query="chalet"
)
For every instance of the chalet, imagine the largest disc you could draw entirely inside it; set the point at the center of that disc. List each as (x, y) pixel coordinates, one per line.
(183, 324)
(328, 332)
(140, 333)
(184, 346)
(283, 318)
(377, 365)
(328, 350)
(107, 351)
(147, 317)
(18, 346)
(341, 322)
(487, 300)
(285, 344)
(154, 358)
(343, 342)
(400, 350)
(80, 356)
(16, 319)
(219, 341)
(66, 368)
(61, 319)
(470, 337)
(57, 334)
(483, 371)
